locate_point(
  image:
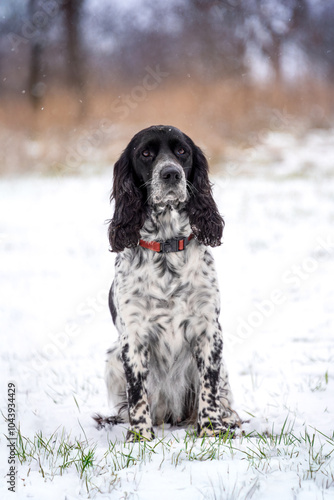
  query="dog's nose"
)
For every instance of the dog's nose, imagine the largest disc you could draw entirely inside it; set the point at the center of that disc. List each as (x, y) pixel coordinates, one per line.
(170, 174)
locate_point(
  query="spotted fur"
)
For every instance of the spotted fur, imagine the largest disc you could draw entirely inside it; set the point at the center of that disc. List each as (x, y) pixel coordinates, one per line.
(167, 364)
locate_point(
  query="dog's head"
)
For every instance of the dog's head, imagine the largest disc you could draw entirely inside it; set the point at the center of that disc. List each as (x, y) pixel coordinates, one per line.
(162, 166)
(162, 159)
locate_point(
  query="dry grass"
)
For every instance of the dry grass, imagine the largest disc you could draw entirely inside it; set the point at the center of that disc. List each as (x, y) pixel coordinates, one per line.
(67, 132)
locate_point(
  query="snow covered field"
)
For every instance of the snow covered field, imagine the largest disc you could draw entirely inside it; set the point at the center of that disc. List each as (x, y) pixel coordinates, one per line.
(276, 271)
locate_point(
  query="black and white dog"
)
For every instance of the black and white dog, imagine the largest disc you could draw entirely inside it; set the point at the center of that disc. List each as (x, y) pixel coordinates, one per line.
(167, 363)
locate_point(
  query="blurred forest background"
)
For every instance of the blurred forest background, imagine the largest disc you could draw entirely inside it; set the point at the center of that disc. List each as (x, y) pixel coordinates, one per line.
(79, 77)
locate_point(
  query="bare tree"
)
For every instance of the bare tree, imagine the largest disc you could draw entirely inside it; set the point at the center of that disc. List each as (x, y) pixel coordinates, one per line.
(281, 23)
(75, 66)
(212, 39)
(36, 86)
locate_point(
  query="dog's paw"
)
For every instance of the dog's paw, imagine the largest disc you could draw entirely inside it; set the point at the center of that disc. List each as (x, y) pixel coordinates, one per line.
(214, 431)
(229, 426)
(231, 419)
(135, 434)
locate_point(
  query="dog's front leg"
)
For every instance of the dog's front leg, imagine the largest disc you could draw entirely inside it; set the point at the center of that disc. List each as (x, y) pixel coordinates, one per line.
(208, 355)
(135, 362)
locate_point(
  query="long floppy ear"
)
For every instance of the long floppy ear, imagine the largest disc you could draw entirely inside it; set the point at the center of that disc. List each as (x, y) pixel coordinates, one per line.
(206, 222)
(129, 214)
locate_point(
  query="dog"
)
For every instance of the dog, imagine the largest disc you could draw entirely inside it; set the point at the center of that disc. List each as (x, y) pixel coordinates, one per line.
(166, 366)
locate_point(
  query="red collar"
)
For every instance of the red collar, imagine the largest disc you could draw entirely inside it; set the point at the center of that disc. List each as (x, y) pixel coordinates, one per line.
(172, 245)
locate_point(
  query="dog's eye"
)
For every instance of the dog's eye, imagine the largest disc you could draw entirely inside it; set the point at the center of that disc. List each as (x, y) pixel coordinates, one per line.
(146, 153)
(181, 151)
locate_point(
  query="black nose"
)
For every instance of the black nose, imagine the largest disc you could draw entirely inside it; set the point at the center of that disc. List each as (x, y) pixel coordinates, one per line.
(170, 174)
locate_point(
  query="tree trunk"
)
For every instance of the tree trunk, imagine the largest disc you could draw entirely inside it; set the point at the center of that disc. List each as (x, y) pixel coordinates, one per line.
(36, 86)
(75, 67)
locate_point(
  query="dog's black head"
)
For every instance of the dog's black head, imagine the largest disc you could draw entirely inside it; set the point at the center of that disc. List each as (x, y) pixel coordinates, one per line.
(162, 161)
(162, 166)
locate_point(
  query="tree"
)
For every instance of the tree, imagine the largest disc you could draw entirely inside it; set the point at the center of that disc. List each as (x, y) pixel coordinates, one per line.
(75, 68)
(36, 87)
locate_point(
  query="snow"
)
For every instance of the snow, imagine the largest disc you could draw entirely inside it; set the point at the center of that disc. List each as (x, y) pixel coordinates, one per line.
(276, 270)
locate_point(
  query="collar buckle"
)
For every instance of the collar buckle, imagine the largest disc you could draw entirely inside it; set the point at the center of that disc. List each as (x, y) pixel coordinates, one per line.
(168, 246)
(171, 245)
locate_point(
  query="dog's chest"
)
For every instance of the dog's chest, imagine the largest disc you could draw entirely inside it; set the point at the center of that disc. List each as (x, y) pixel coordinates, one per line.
(159, 289)
(160, 277)
(165, 295)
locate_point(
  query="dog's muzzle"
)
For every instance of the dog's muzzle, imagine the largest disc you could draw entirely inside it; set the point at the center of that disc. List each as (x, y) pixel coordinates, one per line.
(168, 184)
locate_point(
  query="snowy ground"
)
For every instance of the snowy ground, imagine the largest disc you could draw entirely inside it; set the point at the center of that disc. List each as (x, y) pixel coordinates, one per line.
(276, 271)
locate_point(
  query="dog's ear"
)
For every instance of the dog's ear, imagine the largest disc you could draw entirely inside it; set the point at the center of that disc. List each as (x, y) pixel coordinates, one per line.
(206, 222)
(129, 212)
